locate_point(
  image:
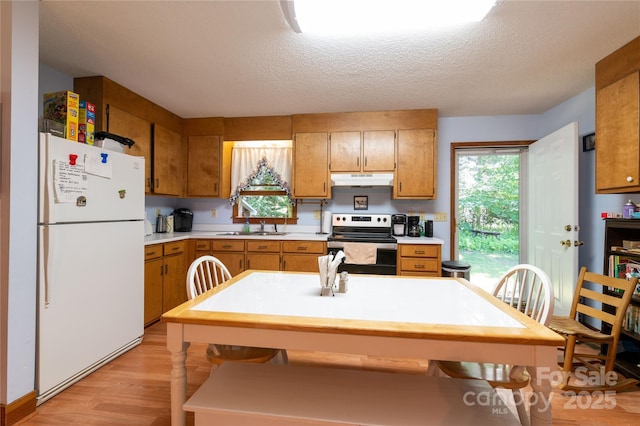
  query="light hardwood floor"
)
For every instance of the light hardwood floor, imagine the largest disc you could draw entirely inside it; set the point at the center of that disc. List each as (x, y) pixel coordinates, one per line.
(134, 389)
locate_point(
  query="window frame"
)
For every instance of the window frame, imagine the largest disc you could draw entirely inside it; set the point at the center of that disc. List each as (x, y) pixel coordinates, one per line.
(271, 220)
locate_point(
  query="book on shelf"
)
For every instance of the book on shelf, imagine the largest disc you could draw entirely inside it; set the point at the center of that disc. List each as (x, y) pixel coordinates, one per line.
(631, 244)
(631, 320)
(624, 267)
(623, 249)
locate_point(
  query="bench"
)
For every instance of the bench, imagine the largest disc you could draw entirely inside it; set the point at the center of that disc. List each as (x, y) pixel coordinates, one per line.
(267, 394)
(477, 232)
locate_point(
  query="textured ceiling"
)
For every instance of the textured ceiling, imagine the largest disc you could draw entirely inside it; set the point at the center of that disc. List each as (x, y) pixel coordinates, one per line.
(240, 58)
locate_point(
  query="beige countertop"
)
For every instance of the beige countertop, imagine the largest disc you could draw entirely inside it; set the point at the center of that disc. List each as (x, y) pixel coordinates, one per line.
(289, 236)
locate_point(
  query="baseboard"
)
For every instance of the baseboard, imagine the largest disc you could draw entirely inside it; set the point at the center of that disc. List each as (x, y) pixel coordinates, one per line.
(12, 413)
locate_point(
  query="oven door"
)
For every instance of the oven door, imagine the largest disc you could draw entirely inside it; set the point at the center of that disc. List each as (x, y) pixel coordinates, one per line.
(385, 263)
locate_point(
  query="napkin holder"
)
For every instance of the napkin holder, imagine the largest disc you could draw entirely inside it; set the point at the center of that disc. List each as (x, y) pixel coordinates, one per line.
(328, 267)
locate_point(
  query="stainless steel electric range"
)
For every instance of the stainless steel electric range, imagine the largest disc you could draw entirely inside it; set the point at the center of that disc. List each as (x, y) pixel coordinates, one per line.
(371, 229)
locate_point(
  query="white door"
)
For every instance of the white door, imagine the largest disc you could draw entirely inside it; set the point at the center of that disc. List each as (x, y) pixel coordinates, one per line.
(553, 211)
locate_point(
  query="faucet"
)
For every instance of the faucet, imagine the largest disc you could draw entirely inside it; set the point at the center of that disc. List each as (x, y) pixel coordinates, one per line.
(262, 226)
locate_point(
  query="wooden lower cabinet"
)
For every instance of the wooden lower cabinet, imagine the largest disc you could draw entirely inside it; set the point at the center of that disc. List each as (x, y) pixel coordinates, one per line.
(165, 270)
(263, 255)
(231, 253)
(302, 256)
(419, 259)
(270, 255)
(201, 248)
(153, 268)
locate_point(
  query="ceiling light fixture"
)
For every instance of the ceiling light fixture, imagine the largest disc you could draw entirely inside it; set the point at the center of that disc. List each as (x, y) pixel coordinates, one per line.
(358, 17)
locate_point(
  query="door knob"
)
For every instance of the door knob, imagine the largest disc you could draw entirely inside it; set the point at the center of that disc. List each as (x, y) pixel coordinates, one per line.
(566, 243)
(578, 243)
(567, 228)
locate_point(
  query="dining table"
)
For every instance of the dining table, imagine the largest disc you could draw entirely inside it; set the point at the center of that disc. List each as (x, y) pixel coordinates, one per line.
(428, 318)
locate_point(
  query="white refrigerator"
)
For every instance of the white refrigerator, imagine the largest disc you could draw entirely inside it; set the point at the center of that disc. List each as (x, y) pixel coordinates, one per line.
(90, 260)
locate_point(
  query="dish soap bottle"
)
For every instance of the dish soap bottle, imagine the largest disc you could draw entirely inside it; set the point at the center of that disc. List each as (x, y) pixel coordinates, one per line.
(246, 228)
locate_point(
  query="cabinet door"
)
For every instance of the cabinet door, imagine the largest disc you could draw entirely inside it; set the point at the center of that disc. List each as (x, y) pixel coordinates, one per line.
(618, 136)
(345, 152)
(415, 173)
(174, 290)
(167, 161)
(203, 173)
(233, 261)
(379, 151)
(122, 123)
(153, 271)
(311, 165)
(299, 262)
(263, 261)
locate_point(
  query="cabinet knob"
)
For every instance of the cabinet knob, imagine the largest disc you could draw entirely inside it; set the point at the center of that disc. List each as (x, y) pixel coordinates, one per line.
(629, 179)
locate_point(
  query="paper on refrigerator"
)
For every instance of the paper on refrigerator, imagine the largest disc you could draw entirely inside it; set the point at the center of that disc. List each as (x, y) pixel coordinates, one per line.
(69, 181)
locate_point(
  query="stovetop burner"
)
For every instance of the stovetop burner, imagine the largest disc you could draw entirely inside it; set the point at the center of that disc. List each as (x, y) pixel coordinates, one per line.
(373, 228)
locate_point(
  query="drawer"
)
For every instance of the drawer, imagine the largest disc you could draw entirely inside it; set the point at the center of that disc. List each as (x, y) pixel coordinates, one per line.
(174, 248)
(419, 265)
(318, 247)
(419, 250)
(152, 251)
(203, 244)
(419, 274)
(264, 246)
(227, 245)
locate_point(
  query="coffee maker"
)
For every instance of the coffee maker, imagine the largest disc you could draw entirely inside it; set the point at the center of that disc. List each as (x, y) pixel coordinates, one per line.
(399, 225)
(413, 226)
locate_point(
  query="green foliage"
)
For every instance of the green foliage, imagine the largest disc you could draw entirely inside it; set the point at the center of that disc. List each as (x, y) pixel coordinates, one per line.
(268, 205)
(504, 243)
(489, 201)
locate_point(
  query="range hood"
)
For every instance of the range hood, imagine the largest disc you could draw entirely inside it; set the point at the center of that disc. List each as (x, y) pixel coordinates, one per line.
(362, 179)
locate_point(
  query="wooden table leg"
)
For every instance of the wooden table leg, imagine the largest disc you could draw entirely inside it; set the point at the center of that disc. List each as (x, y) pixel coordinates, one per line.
(178, 348)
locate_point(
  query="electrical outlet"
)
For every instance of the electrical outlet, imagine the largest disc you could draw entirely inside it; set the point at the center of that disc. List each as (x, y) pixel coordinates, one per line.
(439, 217)
(316, 215)
(214, 213)
(157, 212)
(422, 216)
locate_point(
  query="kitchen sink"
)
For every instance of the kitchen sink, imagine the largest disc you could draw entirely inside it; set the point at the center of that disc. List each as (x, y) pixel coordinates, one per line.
(261, 233)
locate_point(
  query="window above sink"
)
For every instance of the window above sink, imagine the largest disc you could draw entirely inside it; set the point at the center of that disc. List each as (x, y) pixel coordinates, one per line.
(260, 174)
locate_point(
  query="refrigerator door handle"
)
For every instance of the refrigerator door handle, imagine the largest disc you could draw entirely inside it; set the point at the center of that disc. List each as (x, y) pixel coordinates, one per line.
(46, 262)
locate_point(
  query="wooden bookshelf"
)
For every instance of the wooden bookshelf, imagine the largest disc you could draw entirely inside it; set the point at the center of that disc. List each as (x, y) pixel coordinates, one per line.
(616, 233)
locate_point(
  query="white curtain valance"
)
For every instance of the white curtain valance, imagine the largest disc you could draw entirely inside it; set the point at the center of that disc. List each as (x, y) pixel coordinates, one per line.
(248, 158)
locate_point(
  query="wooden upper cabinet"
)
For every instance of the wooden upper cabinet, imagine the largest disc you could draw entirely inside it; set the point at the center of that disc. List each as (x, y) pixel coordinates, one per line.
(167, 161)
(379, 151)
(617, 162)
(346, 151)
(311, 165)
(128, 125)
(416, 169)
(203, 170)
(369, 151)
(125, 113)
(618, 136)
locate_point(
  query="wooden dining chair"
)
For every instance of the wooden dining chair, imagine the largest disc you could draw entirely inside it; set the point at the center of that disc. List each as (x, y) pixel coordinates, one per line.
(528, 289)
(205, 273)
(614, 294)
